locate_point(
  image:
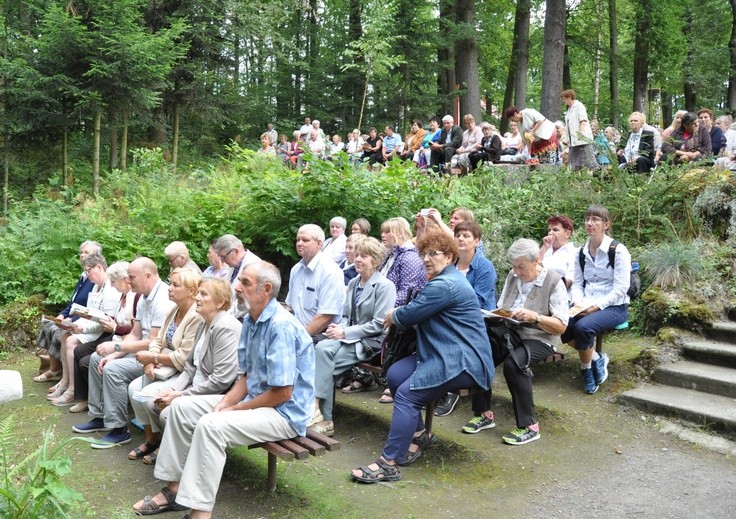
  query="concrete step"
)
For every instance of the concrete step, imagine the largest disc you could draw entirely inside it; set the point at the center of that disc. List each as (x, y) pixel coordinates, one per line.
(723, 331)
(707, 378)
(710, 352)
(718, 412)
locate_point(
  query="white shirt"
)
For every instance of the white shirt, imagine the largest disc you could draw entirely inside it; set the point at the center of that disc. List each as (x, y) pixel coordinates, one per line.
(316, 288)
(562, 261)
(604, 286)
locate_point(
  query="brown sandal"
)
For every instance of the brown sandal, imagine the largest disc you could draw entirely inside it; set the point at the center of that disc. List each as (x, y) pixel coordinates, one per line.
(151, 507)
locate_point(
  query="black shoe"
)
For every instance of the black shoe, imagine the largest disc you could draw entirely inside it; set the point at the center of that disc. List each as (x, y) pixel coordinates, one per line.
(446, 404)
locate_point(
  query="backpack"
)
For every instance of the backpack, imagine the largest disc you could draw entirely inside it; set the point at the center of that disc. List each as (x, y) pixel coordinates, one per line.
(634, 280)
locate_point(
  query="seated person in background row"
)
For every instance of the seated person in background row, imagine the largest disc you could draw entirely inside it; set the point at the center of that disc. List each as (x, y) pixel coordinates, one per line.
(283, 147)
(348, 264)
(360, 226)
(472, 138)
(534, 295)
(372, 147)
(449, 140)
(490, 147)
(638, 154)
(359, 334)
(690, 142)
(267, 145)
(177, 255)
(354, 146)
(391, 145)
(296, 149)
(316, 145)
(558, 253)
(729, 150)
(599, 296)
(316, 287)
(217, 268)
(423, 156)
(413, 141)
(272, 400)
(50, 335)
(212, 364)
(512, 143)
(717, 139)
(114, 365)
(334, 246)
(232, 252)
(336, 146)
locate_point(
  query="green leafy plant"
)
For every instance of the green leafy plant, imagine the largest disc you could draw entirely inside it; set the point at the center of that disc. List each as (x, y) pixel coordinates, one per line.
(670, 264)
(32, 486)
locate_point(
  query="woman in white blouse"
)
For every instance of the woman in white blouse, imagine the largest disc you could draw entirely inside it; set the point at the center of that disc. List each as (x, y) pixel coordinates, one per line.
(558, 253)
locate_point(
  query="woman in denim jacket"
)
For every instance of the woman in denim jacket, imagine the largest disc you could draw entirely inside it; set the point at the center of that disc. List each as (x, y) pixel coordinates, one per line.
(453, 352)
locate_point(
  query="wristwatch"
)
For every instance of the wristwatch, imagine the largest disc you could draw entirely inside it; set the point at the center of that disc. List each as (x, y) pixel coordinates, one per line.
(539, 318)
(117, 347)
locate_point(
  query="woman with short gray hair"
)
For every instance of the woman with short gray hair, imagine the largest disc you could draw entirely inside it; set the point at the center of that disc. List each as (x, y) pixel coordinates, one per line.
(537, 297)
(334, 246)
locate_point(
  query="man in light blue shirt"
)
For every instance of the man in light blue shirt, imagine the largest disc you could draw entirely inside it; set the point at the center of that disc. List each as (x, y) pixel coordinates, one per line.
(316, 285)
(391, 143)
(272, 400)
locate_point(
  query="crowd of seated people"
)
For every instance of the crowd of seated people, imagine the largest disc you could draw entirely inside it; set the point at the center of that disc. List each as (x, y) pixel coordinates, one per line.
(173, 349)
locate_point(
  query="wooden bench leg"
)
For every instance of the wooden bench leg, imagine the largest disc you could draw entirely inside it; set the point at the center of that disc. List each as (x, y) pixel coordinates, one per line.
(429, 416)
(599, 343)
(271, 479)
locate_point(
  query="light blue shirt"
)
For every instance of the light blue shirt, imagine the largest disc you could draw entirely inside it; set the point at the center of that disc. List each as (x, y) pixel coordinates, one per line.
(316, 288)
(604, 286)
(389, 143)
(276, 351)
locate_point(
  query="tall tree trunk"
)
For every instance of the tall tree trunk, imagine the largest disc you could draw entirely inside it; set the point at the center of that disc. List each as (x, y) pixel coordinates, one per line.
(566, 75)
(65, 156)
(175, 138)
(96, 153)
(124, 144)
(732, 69)
(297, 57)
(515, 92)
(353, 85)
(613, 60)
(554, 57)
(666, 109)
(446, 55)
(114, 136)
(641, 55)
(597, 79)
(311, 80)
(466, 61)
(6, 172)
(689, 86)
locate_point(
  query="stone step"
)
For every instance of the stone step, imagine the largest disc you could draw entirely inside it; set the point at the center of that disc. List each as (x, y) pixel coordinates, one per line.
(724, 331)
(707, 378)
(705, 409)
(710, 352)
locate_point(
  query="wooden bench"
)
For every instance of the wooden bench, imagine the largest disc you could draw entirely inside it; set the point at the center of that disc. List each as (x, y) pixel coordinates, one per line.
(298, 448)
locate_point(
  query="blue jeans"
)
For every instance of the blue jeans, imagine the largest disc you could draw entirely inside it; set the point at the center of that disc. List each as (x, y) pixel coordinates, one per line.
(584, 329)
(408, 403)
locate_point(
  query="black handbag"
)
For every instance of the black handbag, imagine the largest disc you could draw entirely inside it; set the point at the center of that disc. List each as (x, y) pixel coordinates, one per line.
(399, 343)
(504, 340)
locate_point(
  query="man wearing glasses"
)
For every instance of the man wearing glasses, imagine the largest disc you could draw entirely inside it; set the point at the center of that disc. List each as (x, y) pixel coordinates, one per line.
(235, 255)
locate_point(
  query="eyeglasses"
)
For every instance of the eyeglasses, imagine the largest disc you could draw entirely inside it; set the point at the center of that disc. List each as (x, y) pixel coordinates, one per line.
(593, 219)
(87, 270)
(430, 253)
(223, 256)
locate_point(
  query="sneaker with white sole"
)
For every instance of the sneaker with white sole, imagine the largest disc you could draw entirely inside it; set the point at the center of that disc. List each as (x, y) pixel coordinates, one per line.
(521, 436)
(600, 368)
(478, 424)
(446, 404)
(589, 385)
(93, 426)
(119, 436)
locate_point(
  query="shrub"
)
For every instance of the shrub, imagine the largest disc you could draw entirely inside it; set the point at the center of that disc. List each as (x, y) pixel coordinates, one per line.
(670, 264)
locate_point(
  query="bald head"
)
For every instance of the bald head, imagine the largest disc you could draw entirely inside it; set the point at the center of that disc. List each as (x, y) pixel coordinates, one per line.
(143, 274)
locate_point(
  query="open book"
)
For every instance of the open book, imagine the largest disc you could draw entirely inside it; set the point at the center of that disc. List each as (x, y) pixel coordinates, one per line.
(88, 313)
(499, 314)
(61, 323)
(576, 309)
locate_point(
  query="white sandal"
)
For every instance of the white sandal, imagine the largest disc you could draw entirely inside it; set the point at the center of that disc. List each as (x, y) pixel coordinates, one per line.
(48, 376)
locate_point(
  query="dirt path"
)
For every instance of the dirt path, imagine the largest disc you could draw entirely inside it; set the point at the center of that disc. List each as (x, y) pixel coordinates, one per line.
(595, 459)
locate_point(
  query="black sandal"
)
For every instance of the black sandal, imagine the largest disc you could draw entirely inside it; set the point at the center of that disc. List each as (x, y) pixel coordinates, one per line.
(139, 453)
(150, 459)
(151, 507)
(385, 472)
(423, 441)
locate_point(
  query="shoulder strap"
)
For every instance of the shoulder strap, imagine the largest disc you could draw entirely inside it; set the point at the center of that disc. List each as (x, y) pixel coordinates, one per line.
(581, 259)
(612, 253)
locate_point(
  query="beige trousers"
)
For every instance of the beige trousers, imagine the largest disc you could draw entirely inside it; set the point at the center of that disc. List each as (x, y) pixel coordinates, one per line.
(193, 447)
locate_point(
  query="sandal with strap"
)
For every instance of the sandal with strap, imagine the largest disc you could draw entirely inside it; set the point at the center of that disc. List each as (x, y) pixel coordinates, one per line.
(386, 397)
(48, 376)
(148, 448)
(423, 441)
(151, 507)
(385, 472)
(357, 387)
(150, 459)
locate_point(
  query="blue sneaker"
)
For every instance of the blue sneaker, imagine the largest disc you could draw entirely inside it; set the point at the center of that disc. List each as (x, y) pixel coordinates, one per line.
(600, 369)
(93, 426)
(589, 385)
(119, 436)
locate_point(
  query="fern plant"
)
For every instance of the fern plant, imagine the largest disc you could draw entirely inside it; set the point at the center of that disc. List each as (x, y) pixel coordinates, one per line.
(32, 486)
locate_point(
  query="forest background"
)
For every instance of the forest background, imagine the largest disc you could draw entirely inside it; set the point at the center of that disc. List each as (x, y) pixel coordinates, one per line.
(183, 88)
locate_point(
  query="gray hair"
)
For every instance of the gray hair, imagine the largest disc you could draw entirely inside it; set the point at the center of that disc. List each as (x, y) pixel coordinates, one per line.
(315, 231)
(448, 118)
(339, 220)
(93, 260)
(118, 270)
(266, 273)
(524, 248)
(176, 248)
(227, 242)
(89, 243)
